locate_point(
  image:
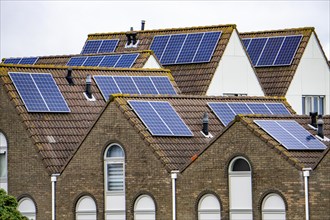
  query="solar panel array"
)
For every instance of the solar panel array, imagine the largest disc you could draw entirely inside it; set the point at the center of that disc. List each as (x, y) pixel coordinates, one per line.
(119, 61)
(134, 85)
(185, 48)
(160, 118)
(99, 46)
(226, 111)
(272, 51)
(24, 60)
(39, 92)
(291, 134)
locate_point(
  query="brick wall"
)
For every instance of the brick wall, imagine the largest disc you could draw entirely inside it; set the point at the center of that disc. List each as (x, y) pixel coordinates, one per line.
(26, 173)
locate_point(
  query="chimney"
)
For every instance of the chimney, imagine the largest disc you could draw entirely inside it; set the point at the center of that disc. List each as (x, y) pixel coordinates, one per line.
(131, 37)
(205, 129)
(88, 90)
(69, 77)
(320, 124)
(143, 22)
(313, 118)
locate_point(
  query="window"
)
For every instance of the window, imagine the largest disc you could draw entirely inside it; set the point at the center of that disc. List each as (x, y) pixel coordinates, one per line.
(3, 162)
(240, 189)
(144, 208)
(273, 207)
(86, 209)
(209, 208)
(312, 104)
(114, 170)
(27, 207)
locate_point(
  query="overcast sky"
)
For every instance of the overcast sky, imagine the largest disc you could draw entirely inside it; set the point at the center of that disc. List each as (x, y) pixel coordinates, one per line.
(36, 28)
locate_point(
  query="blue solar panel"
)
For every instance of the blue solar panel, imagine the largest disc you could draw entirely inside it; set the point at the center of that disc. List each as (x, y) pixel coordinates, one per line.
(189, 48)
(145, 85)
(50, 93)
(185, 48)
(290, 134)
(108, 46)
(226, 111)
(270, 51)
(107, 86)
(288, 50)
(91, 46)
(126, 85)
(109, 61)
(160, 118)
(39, 92)
(76, 61)
(127, 60)
(207, 47)
(246, 42)
(12, 60)
(93, 61)
(255, 48)
(28, 60)
(158, 45)
(163, 85)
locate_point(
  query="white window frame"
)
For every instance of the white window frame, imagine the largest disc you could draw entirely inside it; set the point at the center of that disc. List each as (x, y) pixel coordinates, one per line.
(4, 153)
(237, 213)
(149, 212)
(31, 212)
(90, 213)
(312, 103)
(213, 212)
(279, 211)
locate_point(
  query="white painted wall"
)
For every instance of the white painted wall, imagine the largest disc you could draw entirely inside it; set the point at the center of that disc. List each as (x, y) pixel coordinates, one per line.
(152, 63)
(312, 77)
(235, 73)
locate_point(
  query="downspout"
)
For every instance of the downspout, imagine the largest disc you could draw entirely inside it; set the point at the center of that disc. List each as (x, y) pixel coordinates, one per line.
(174, 175)
(306, 172)
(53, 179)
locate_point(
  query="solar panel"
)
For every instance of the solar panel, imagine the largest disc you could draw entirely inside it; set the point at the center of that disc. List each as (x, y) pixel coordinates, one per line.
(76, 61)
(91, 46)
(133, 85)
(255, 48)
(109, 61)
(246, 42)
(100, 46)
(93, 61)
(290, 134)
(108, 46)
(185, 48)
(270, 51)
(39, 92)
(226, 111)
(160, 118)
(288, 50)
(12, 60)
(28, 60)
(127, 60)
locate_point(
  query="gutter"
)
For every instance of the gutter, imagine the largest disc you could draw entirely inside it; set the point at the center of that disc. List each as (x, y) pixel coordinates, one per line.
(306, 173)
(174, 175)
(53, 179)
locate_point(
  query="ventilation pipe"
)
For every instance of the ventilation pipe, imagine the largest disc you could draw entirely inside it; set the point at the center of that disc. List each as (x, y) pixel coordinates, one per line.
(143, 22)
(88, 90)
(53, 179)
(306, 172)
(174, 176)
(205, 124)
(69, 77)
(320, 124)
(313, 118)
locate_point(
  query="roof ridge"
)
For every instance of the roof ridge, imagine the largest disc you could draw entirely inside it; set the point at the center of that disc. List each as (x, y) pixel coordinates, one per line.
(166, 29)
(279, 30)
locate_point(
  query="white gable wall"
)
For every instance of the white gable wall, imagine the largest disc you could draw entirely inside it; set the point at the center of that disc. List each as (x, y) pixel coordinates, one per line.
(152, 63)
(235, 73)
(312, 77)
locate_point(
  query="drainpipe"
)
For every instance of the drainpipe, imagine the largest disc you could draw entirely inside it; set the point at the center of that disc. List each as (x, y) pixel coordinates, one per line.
(306, 172)
(53, 179)
(174, 175)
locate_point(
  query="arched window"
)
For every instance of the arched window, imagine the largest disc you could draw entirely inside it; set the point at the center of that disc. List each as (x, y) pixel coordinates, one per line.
(273, 207)
(240, 189)
(27, 208)
(3, 162)
(209, 208)
(86, 209)
(114, 177)
(144, 208)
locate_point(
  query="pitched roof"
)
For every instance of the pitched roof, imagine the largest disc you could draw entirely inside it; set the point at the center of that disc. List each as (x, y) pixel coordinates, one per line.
(67, 129)
(192, 79)
(298, 158)
(174, 152)
(275, 80)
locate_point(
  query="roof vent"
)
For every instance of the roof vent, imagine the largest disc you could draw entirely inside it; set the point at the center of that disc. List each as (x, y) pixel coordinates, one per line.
(131, 39)
(88, 89)
(313, 118)
(205, 130)
(143, 22)
(69, 77)
(320, 124)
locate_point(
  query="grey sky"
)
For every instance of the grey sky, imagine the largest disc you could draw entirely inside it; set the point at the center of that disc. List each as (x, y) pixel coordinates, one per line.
(36, 28)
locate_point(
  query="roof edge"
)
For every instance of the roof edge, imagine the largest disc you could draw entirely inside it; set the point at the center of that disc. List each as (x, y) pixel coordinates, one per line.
(279, 30)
